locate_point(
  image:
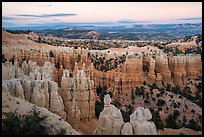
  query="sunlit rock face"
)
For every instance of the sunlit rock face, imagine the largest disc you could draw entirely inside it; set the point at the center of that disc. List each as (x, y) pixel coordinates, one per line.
(111, 121)
(162, 70)
(184, 67)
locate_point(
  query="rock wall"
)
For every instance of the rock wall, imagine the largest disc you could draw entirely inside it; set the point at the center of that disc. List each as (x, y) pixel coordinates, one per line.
(80, 89)
(162, 70)
(62, 57)
(37, 88)
(162, 67)
(184, 67)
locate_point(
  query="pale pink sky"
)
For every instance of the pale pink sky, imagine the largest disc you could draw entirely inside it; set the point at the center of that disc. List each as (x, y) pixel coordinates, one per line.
(154, 12)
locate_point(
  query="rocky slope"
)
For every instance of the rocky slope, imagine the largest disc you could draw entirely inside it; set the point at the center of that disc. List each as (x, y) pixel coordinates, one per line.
(74, 101)
(36, 87)
(53, 121)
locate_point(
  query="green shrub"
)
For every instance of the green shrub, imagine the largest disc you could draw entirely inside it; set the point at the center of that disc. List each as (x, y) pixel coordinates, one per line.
(32, 124)
(3, 59)
(132, 96)
(193, 125)
(157, 119)
(78, 58)
(117, 103)
(51, 54)
(168, 87)
(176, 89)
(98, 107)
(126, 116)
(171, 122)
(160, 102)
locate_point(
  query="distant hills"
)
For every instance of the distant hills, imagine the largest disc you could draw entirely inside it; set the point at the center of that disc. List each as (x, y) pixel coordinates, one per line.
(126, 31)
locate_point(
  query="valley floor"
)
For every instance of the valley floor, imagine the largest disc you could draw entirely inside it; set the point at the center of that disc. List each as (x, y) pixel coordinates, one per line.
(87, 128)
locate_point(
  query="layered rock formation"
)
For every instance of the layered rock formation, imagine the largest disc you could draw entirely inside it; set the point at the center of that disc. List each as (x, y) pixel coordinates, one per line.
(36, 88)
(162, 70)
(162, 67)
(77, 100)
(184, 67)
(78, 94)
(121, 81)
(111, 121)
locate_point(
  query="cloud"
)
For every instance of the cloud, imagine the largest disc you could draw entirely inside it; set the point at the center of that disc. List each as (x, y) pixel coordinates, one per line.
(45, 5)
(47, 15)
(197, 18)
(6, 18)
(133, 21)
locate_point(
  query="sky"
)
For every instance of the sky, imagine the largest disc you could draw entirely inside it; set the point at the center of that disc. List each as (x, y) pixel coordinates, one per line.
(48, 13)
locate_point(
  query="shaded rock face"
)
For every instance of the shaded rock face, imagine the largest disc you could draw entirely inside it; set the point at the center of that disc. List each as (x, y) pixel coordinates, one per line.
(73, 117)
(34, 84)
(111, 121)
(39, 93)
(80, 89)
(127, 129)
(141, 125)
(34, 88)
(20, 106)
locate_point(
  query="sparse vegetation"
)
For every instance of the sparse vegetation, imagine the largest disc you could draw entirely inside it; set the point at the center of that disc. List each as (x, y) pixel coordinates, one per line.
(194, 125)
(51, 54)
(99, 105)
(171, 122)
(78, 58)
(3, 59)
(156, 119)
(19, 31)
(31, 124)
(160, 102)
